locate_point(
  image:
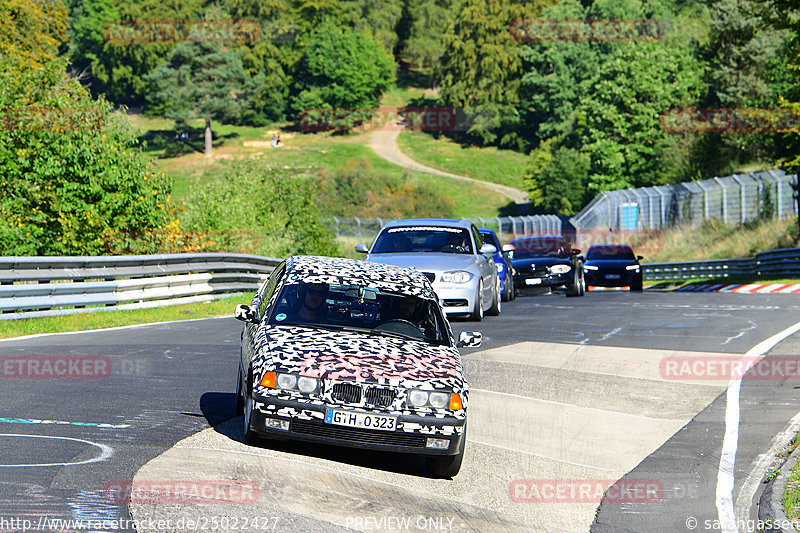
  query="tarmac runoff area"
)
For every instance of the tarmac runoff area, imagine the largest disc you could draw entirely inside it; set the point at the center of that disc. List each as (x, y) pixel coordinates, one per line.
(551, 427)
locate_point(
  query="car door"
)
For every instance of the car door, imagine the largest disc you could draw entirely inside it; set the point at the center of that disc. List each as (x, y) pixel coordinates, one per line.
(486, 267)
(262, 300)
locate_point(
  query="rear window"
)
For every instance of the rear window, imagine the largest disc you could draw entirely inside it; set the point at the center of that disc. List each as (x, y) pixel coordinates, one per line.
(611, 252)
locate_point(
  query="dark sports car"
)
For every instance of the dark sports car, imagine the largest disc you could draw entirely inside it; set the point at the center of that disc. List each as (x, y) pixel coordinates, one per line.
(546, 261)
(357, 354)
(613, 265)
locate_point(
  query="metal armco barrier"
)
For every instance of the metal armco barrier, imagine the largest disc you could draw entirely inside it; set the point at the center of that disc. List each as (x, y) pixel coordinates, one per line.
(781, 262)
(42, 286)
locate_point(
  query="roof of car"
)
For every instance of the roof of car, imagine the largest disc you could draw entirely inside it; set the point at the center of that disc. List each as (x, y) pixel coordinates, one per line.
(610, 247)
(318, 269)
(445, 222)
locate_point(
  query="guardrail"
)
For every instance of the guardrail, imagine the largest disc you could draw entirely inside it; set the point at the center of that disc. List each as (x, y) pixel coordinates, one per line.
(780, 262)
(44, 286)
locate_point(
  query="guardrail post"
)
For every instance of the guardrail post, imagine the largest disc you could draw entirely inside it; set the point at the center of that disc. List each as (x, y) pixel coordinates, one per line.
(705, 200)
(499, 226)
(336, 221)
(742, 197)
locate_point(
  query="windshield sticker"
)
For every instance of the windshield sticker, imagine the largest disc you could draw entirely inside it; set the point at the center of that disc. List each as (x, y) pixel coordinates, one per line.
(426, 228)
(280, 317)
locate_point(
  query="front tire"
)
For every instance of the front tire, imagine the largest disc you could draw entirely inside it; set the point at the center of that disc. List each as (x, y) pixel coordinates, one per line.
(494, 310)
(250, 436)
(477, 310)
(574, 288)
(447, 466)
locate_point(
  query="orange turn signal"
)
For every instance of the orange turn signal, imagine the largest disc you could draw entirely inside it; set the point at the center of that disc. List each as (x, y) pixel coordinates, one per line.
(455, 402)
(269, 380)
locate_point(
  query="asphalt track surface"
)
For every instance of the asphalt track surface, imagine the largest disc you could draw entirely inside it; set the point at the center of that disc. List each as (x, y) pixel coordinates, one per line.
(568, 390)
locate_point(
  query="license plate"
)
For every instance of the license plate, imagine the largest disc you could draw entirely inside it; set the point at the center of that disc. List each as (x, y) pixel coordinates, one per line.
(360, 420)
(533, 281)
(612, 276)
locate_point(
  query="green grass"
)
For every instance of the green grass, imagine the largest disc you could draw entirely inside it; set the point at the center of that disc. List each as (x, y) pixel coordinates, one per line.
(311, 151)
(109, 319)
(716, 240)
(791, 495)
(505, 167)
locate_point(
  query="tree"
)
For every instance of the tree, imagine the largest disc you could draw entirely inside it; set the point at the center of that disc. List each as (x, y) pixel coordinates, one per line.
(201, 80)
(481, 67)
(71, 182)
(116, 68)
(424, 47)
(341, 69)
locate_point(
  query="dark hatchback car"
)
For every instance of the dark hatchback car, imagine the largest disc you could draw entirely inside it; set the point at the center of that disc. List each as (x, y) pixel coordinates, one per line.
(503, 263)
(613, 265)
(546, 261)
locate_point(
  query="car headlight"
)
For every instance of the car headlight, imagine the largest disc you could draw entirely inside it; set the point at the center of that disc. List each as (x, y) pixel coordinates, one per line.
(632, 267)
(435, 399)
(590, 267)
(500, 267)
(287, 381)
(296, 383)
(456, 276)
(417, 398)
(560, 269)
(439, 400)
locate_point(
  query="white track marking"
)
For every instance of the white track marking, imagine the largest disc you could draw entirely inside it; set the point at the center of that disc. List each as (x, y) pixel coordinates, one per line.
(727, 462)
(116, 328)
(105, 451)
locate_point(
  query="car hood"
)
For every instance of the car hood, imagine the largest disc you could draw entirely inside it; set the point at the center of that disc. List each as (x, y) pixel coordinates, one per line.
(543, 261)
(610, 263)
(329, 354)
(427, 261)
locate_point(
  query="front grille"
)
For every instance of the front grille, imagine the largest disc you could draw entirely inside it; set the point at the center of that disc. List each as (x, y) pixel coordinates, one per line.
(430, 275)
(380, 397)
(357, 435)
(535, 271)
(454, 303)
(347, 393)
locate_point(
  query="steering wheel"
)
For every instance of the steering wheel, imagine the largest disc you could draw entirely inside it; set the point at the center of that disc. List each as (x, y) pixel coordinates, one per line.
(403, 327)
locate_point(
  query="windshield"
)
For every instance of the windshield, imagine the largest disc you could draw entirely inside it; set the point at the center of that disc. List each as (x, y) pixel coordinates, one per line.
(538, 247)
(360, 308)
(610, 253)
(423, 239)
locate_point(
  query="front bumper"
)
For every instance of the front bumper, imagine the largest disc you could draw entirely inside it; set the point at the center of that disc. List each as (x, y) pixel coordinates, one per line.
(307, 423)
(534, 281)
(600, 278)
(456, 299)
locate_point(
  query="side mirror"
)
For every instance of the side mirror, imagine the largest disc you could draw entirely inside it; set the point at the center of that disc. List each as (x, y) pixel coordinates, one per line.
(469, 339)
(362, 248)
(508, 248)
(488, 249)
(245, 313)
(575, 251)
(639, 257)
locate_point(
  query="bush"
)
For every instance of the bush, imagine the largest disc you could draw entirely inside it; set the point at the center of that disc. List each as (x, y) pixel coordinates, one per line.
(253, 209)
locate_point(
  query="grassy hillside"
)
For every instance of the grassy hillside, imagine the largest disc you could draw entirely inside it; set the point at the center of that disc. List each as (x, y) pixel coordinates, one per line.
(716, 240)
(505, 167)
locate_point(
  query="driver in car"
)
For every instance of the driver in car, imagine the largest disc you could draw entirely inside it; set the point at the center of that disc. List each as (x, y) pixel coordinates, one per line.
(311, 302)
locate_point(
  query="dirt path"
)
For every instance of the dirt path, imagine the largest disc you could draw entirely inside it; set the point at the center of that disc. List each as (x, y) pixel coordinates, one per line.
(384, 143)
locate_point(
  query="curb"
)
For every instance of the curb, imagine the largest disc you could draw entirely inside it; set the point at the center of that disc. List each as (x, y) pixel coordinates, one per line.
(769, 504)
(751, 288)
